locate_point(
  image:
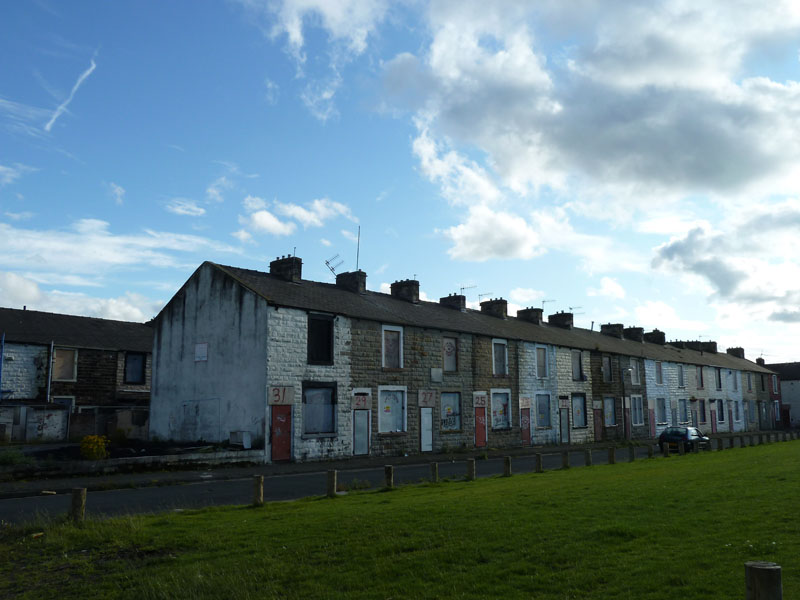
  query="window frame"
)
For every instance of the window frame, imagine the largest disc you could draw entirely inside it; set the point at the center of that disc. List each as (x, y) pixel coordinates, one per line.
(334, 405)
(608, 373)
(637, 399)
(681, 377)
(735, 381)
(540, 363)
(609, 401)
(455, 358)
(581, 376)
(776, 408)
(659, 372)
(702, 404)
(549, 410)
(492, 393)
(683, 410)
(574, 397)
(737, 411)
(500, 342)
(320, 318)
(774, 384)
(125, 379)
(661, 402)
(718, 378)
(74, 364)
(636, 368)
(749, 382)
(720, 410)
(460, 427)
(384, 329)
(700, 378)
(393, 388)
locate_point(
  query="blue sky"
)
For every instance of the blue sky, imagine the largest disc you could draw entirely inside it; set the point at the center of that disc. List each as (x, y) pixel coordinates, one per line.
(638, 162)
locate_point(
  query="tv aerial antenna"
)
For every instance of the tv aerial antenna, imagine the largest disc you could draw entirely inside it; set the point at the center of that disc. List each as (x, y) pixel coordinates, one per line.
(572, 310)
(332, 263)
(545, 302)
(482, 296)
(465, 287)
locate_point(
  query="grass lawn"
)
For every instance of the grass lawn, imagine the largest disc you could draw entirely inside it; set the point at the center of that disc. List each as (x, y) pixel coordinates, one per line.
(680, 527)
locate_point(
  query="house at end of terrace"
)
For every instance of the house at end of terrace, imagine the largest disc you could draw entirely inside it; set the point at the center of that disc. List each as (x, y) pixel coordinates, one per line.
(309, 371)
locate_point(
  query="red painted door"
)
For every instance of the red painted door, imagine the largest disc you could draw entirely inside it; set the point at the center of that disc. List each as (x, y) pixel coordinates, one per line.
(281, 432)
(480, 426)
(598, 424)
(525, 426)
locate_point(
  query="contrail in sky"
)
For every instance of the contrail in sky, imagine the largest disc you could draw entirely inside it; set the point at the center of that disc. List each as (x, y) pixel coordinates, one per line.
(63, 106)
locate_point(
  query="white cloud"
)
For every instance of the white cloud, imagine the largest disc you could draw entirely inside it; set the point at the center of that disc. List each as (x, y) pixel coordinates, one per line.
(264, 221)
(325, 242)
(182, 206)
(117, 192)
(316, 213)
(19, 216)
(487, 234)
(254, 203)
(63, 106)
(655, 314)
(11, 174)
(243, 236)
(525, 295)
(216, 188)
(349, 235)
(271, 90)
(609, 288)
(381, 269)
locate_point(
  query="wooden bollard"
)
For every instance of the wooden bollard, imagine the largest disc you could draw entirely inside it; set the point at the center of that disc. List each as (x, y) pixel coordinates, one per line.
(681, 448)
(696, 447)
(732, 442)
(752, 440)
(506, 466)
(760, 439)
(332, 483)
(720, 444)
(587, 458)
(435, 472)
(388, 476)
(742, 441)
(631, 454)
(258, 490)
(539, 466)
(665, 449)
(565, 459)
(470, 469)
(762, 581)
(612, 456)
(650, 451)
(78, 504)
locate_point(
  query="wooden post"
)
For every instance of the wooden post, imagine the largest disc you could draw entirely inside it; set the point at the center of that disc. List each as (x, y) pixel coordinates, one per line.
(612, 456)
(665, 449)
(650, 451)
(696, 447)
(506, 466)
(732, 442)
(258, 490)
(388, 476)
(720, 444)
(332, 477)
(539, 466)
(470, 469)
(565, 459)
(78, 504)
(435, 472)
(631, 453)
(681, 448)
(760, 439)
(762, 581)
(588, 458)
(742, 442)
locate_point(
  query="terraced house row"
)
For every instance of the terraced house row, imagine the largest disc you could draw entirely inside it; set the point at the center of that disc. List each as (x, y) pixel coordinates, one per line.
(311, 370)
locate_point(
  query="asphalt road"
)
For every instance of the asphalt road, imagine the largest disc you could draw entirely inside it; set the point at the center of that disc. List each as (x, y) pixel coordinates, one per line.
(210, 490)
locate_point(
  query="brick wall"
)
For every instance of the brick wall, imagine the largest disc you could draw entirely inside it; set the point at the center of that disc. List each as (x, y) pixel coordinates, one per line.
(96, 379)
(25, 371)
(130, 393)
(486, 381)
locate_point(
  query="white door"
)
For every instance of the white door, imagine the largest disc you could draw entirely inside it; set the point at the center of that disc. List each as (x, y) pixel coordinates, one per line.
(426, 429)
(360, 432)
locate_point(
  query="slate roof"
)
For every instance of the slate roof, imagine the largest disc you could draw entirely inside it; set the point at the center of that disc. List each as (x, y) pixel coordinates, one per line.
(35, 327)
(788, 371)
(376, 306)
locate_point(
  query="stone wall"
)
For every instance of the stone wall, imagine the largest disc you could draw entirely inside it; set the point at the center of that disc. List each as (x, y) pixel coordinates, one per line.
(25, 372)
(530, 385)
(486, 381)
(568, 387)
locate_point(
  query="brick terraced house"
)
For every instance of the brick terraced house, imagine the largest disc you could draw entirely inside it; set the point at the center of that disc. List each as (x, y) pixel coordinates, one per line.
(311, 370)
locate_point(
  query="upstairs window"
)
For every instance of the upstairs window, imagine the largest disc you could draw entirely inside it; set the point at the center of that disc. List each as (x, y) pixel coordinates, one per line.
(681, 377)
(541, 362)
(499, 357)
(450, 354)
(700, 382)
(763, 383)
(749, 382)
(134, 367)
(702, 410)
(735, 382)
(320, 339)
(392, 347)
(319, 408)
(720, 411)
(659, 373)
(608, 373)
(718, 377)
(577, 365)
(636, 373)
(774, 384)
(736, 412)
(65, 364)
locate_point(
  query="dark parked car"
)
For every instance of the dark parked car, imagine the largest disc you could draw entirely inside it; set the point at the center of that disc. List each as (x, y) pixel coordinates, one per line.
(682, 435)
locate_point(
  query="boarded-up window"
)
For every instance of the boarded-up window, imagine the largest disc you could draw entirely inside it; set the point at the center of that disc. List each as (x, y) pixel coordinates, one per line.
(607, 372)
(450, 353)
(609, 412)
(543, 410)
(134, 367)
(319, 408)
(720, 411)
(736, 411)
(499, 358)
(636, 374)
(776, 409)
(501, 410)
(659, 373)
(541, 362)
(684, 411)
(681, 377)
(735, 376)
(775, 385)
(451, 411)
(65, 364)
(391, 411)
(752, 410)
(637, 410)
(718, 377)
(578, 410)
(320, 340)
(392, 347)
(577, 366)
(661, 410)
(702, 410)
(749, 382)
(700, 379)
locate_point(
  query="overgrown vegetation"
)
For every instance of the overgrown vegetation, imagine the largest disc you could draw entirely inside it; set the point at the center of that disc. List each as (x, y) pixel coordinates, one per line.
(678, 527)
(14, 456)
(94, 447)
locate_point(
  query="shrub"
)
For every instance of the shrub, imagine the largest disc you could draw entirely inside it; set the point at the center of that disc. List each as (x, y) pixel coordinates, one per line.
(94, 447)
(14, 456)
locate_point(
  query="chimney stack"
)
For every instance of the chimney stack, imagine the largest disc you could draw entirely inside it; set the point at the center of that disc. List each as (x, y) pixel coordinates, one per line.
(760, 361)
(532, 315)
(561, 319)
(656, 337)
(635, 334)
(709, 347)
(457, 301)
(496, 308)
(354, 281)
(288, 268)
(407, 290)
(612, 329)
(737, 352)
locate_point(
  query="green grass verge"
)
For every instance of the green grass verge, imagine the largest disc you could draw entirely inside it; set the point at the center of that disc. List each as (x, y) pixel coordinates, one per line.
(681, 527)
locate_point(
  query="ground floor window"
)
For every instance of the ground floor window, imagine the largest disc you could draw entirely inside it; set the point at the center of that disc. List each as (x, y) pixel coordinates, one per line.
(391, 409)
(661, 410)
(319, 408)
(543, 411)
(609, 412)
(450, 411)
(751, 407)
(777, 408)
(702, 410)
(737, 416)
(579, 410)
(684, 411)
(501, 409)
(637, 410)
(720, 411)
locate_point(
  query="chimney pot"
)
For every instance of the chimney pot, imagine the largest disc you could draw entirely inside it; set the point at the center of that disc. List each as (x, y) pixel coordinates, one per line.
(633, 333)
(656, 337)
(496, 308)
(760, 361)
(738, 352)
(532, 315)
(354, 281)
(612, 329)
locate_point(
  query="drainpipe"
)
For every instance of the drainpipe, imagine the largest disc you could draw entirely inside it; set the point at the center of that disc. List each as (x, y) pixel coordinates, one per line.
(49, 371)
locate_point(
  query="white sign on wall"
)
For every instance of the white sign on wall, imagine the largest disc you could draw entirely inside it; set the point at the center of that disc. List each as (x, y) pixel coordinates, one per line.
(524, 402)
(280, 395)
(362, 399)
(201, 352)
